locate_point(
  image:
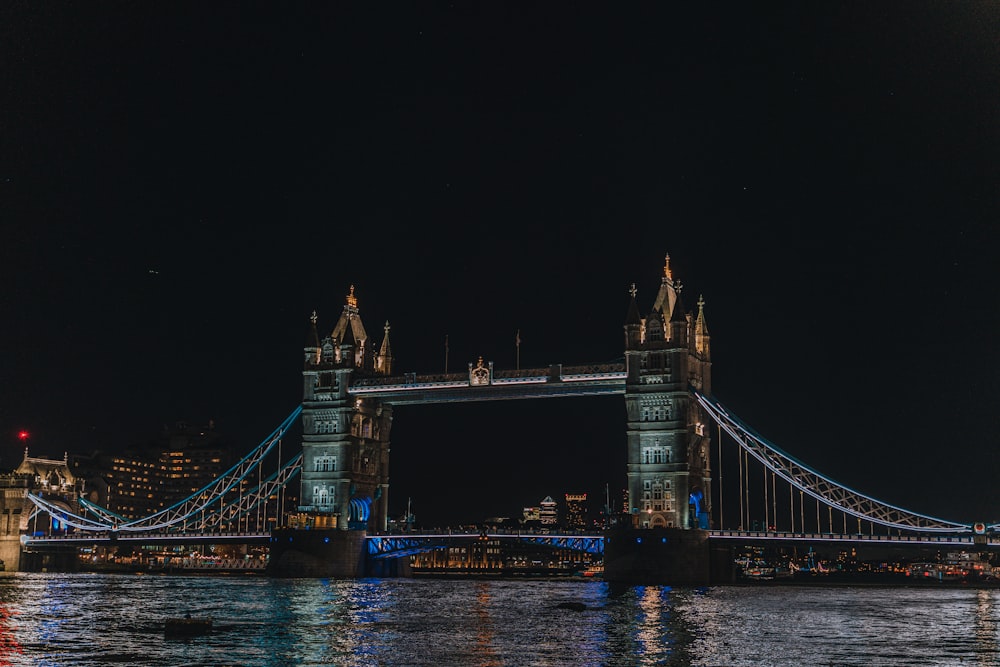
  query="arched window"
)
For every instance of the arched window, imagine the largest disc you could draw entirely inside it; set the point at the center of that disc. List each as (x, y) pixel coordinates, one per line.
(326, 463)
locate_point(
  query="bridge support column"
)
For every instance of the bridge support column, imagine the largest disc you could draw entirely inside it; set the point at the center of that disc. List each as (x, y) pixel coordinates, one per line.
(665, 556)
(317, 553)
(389, 567)
(49, 558)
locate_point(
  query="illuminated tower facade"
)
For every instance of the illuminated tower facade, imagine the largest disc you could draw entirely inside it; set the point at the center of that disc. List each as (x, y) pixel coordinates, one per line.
(668, 439)
(345, 440)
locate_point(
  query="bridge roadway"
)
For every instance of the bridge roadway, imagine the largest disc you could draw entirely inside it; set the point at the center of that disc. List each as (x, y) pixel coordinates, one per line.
(107, 539)
(394, 545)
(553, 382)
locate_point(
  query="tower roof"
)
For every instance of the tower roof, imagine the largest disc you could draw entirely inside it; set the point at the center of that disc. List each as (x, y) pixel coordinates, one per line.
(666, 297)
(350, 320)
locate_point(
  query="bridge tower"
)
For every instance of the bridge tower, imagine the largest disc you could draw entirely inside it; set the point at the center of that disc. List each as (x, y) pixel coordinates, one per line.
(345, 441)
(668, 437)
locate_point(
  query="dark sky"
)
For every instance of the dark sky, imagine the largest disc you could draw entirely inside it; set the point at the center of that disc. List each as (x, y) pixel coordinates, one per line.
(181, 184)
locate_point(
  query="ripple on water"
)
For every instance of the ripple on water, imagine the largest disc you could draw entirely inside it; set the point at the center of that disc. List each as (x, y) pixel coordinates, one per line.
(89, 620)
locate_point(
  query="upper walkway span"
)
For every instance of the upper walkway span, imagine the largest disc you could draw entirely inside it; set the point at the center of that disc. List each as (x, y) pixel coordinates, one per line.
(554, 381)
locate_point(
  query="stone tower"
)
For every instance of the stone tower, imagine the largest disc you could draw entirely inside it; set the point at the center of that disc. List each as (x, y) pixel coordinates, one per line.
(668, 437)
(345, 440)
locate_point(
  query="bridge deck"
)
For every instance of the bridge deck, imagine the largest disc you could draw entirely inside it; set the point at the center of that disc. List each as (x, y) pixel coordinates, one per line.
(553, 382)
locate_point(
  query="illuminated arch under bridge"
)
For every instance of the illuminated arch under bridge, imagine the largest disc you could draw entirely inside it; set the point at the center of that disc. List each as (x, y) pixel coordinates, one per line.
(380, 547)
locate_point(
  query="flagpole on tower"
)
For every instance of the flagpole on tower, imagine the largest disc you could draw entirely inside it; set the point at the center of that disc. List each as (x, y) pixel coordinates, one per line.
(517, 344)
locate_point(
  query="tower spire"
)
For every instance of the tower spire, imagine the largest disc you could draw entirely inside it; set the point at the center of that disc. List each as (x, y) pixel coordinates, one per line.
(666, 297)
(350, 318)
(383, 363)
(701, 338)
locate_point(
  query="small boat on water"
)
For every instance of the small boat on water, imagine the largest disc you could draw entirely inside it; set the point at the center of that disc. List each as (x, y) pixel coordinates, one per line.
(187, 626)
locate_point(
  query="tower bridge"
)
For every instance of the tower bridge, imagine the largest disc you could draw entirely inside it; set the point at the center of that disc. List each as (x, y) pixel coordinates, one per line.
(674, 530)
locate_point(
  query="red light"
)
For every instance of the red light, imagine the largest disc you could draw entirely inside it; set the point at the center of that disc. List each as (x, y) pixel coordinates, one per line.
(23, 435)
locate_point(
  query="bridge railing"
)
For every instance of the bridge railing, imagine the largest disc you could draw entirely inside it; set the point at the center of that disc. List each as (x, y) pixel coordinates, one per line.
(577, 372)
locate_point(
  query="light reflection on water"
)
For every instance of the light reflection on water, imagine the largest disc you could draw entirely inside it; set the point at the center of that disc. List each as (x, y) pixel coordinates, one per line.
(98, 620)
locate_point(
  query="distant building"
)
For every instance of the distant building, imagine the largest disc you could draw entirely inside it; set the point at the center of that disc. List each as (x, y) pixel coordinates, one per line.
(150, 477)
(189, 459)
(576, 510)
(548, 512)
(49, 478)
(531, 514)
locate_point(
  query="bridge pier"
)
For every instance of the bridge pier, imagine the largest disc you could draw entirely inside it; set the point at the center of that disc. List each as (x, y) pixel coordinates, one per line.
(666, 556)
(49, 558)
(389, 567)
(317, 553)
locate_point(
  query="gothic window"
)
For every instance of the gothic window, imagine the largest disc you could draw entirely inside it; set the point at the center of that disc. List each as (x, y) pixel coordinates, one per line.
(655, 455)
(366, 428)
(326, 463)
(646, 484)
(644, 415)
(321, 496)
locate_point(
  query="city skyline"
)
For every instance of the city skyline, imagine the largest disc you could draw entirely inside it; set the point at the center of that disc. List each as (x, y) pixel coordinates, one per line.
(181, 187)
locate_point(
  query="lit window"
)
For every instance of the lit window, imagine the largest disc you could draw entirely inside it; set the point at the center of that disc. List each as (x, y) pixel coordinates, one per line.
(326, 463)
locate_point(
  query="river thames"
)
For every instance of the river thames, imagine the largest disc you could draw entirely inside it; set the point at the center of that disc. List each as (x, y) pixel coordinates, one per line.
(92, 620)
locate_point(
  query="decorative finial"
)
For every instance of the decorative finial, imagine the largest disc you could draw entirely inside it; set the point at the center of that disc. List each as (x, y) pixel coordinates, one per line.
(352, 300)
(701, 302)
(632, 290)
(678, 287)
(666, 268)
(386, 327)
(312, 318)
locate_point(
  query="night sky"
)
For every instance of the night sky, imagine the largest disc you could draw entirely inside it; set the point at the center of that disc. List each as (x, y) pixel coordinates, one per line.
(182, 184)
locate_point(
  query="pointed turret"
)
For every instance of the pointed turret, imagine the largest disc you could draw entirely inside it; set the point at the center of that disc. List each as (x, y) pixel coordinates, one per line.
(350, 331)
(678, 319)
(383, 361)
(666, 297)
(633, 322)
(701, 337)
(312, 347)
